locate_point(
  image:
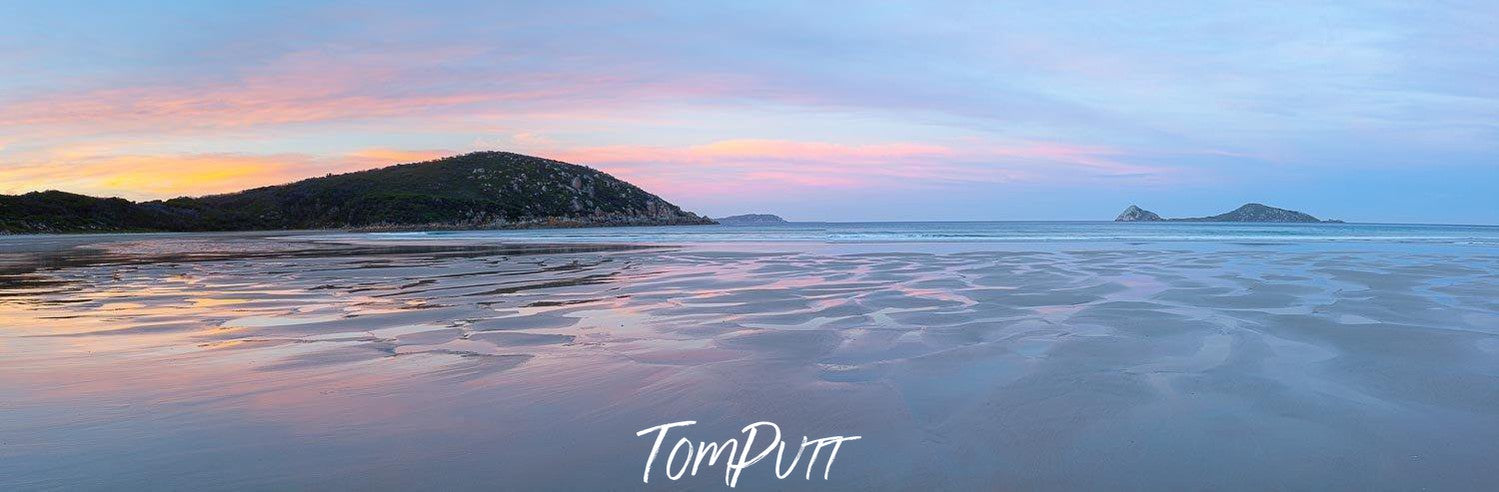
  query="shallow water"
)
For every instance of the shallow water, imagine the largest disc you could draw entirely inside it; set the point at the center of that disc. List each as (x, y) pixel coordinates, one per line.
(276, 364)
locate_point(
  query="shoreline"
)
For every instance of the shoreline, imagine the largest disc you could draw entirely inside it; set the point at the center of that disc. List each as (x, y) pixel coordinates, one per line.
(432, 227)
(23, 257)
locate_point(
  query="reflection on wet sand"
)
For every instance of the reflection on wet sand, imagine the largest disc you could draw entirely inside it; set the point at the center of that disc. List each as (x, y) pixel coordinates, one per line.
(175, 363)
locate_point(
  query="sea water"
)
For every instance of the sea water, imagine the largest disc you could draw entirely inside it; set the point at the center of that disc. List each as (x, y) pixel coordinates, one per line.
(955, 237)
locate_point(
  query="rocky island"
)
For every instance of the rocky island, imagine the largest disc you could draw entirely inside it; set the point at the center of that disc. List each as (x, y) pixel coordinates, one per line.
(1249, 212)
(1137, 214)
(480, 190)
(751, 219)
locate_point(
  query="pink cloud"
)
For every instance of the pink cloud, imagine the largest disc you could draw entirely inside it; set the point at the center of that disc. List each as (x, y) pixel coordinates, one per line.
(717, 168)
(817, 151)
(333, 85)
(755, 150)
(749, 165)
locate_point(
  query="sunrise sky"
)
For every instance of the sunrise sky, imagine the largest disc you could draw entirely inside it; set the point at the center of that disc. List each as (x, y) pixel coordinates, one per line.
(1365, 111)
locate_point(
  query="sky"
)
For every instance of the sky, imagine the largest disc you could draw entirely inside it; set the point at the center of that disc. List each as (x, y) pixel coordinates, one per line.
(1054, 110)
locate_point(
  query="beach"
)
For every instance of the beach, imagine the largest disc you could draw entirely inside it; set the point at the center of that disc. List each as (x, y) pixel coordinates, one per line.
(339, 361)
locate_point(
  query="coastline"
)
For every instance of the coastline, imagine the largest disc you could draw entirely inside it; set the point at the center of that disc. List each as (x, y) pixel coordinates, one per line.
(548, 223)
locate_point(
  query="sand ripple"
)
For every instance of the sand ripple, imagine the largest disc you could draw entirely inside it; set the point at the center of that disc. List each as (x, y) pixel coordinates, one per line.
(1154, 369)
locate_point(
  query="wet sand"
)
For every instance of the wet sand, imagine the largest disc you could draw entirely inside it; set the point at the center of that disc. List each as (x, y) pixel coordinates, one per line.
(207, 362)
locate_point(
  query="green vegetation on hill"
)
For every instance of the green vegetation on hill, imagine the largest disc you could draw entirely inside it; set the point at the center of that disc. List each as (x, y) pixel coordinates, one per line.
(477, 190)
(56, 211)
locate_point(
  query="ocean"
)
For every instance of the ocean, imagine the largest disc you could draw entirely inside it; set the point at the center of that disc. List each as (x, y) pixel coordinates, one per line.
(932, 236)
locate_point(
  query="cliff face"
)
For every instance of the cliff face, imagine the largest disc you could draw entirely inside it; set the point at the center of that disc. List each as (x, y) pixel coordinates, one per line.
(1249, 212)
(478, 190)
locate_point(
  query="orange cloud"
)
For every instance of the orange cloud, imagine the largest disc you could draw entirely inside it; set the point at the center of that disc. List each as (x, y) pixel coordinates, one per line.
(383, 156)
(139, 177)
(93, 171)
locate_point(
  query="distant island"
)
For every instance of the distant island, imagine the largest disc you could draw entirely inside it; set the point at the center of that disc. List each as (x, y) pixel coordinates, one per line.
(751, 219)
(470, 191)
(1249, 212)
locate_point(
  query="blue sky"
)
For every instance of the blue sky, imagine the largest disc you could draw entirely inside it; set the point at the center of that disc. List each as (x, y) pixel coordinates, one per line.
(1365, 111)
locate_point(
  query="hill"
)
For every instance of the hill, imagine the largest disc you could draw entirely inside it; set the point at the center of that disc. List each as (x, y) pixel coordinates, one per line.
(1249, 212)
(1254, 212)
(477, 190)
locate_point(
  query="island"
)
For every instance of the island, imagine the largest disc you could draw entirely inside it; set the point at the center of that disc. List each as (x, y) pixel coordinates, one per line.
(480, 190)
(751, 219)
(1137, 214)
(1249, 212)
